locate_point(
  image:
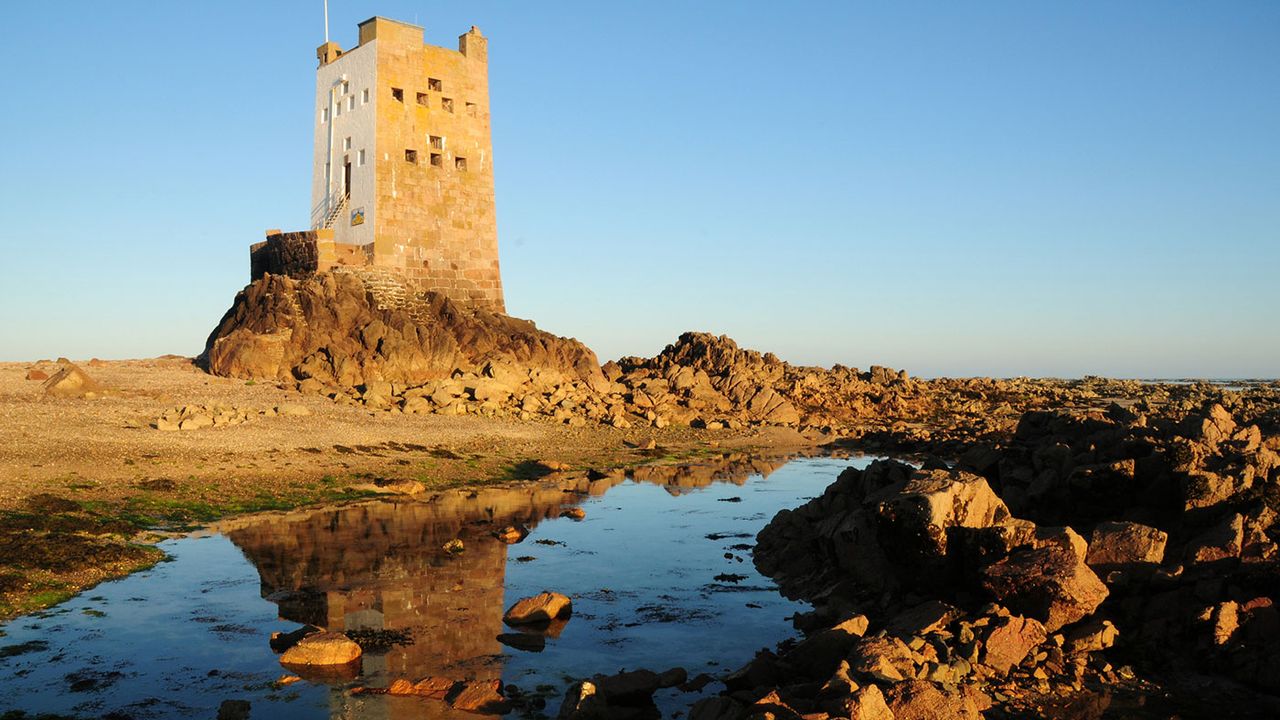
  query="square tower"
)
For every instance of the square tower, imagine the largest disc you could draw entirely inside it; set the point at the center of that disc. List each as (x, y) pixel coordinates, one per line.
(403, 163)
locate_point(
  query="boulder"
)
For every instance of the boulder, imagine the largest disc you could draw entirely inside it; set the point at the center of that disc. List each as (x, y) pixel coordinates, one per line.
(1050, 583)
(322, 649)
(1009, 639)
(70, 381)
(1125, 543)
(541, 608)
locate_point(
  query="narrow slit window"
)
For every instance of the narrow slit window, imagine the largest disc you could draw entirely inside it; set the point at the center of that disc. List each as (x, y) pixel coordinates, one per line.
(346, 144)
(364, 96)
(397, 94)
(435, 85)
(324, 115)
(446, 104)
(422, 99)
(360, 158)
(437, 160)
(460, 163)
(346, 87)
(437, 142)
(411, 156)
(351, 103)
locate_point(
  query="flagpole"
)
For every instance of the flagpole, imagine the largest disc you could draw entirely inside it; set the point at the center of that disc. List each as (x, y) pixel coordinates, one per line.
(326, 21)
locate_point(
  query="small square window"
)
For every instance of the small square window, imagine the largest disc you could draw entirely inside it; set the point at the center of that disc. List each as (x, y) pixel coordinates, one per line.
(397, 94)
(346, 144)
(437, 160)
(351, 103)
(436, 142)
(471, 109)
(422, 99)
(360, 158)
(446, 104)
(460, 163)
(364, 96)
(411, 156)
(435, 85)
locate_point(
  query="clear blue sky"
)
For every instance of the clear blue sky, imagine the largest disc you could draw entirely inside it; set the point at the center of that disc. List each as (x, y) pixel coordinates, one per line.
(952, 188)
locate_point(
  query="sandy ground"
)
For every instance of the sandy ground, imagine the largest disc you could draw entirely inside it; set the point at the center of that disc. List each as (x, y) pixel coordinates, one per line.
(106, 447)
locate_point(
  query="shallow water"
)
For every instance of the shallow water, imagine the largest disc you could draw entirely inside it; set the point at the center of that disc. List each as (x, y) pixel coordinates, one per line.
(659, 571)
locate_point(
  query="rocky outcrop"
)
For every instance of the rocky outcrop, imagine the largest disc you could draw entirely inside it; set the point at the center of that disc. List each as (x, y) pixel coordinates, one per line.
(335, 329)
(1179, 573)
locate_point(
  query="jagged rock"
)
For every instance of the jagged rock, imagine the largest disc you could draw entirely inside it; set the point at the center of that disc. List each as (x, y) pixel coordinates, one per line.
(1008, 641)
(885, 658)
(1125, 543)
(1050, 583)
(1220, 542)
(480, 696)
(923, 700)
(332, 328)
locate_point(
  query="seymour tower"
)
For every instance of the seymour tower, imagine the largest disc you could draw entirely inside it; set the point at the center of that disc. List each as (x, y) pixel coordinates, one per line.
(402, 176)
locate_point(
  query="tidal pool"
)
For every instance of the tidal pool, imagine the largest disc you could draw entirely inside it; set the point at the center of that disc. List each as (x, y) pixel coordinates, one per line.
(659, 571)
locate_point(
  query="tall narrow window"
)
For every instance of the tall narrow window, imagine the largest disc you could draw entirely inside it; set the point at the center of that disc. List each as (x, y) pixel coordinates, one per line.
(364, 96)
(360, 158)
(346, 87)
(351, 103)
(324, 115)
(346, 144)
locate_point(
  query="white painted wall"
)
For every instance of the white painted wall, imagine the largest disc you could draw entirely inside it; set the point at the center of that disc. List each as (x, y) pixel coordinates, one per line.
(360, 68)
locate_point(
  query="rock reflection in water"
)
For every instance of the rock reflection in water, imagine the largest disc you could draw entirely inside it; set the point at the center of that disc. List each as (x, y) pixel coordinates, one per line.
(381, 566)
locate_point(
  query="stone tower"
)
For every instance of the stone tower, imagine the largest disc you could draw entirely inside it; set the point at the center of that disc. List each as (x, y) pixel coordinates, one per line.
(402, 177)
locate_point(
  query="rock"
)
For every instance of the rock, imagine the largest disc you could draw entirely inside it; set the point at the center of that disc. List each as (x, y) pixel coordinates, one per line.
(575, 513)
(886, 659)
(337, 329)
(293, 410)
(673, 677)
(196, 422)
(1220, 542)
(583, 701)
(865, 703)
(436, 688)
(1049, 583)
(512, 534)
(234, 710)
(1009, 640)
(454, 547)
(322, 649)
(37, 374)
(70, 381)
(543, 607)
(923, 700)
(480, 696)
(634, 687)
(717, 707)
(1125, 543)
(1091, 636)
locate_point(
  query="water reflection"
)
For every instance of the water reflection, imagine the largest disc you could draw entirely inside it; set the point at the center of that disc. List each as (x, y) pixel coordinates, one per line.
(646, 570)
